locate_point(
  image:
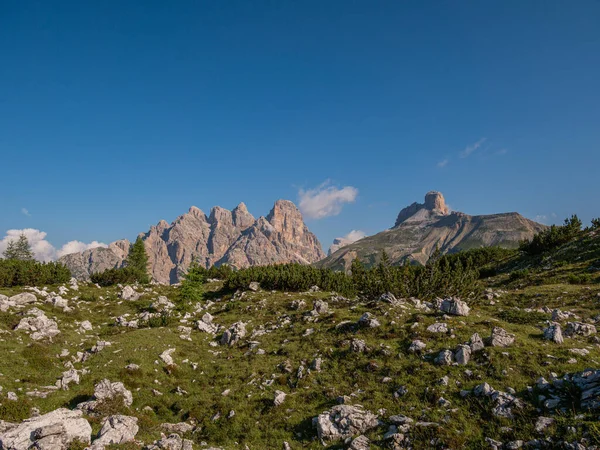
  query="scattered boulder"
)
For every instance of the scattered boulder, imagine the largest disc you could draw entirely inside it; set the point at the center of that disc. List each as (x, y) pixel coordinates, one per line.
(232, 335)
(24, 298)
(128, 293)
(40, 326)
(476, 343)
(344, 421)
(116, 429)
(279, 398)
(444, 358)
(206, 324)
(320, 307)
(579, 329)
(503, 402)
(53, 431)
(162, 303)
(171, 442)
(68, 377)
(501, 338)
(554, 333)
(367, 320)
(416, 346)
(454, 306)
(579, 388)
(388, 297)
(167, 358)
(254, 286)
(358, 346)
(107, 390)
(360, 443)
(84, 326)
(462, 355)
(542, 423)
(438, 328)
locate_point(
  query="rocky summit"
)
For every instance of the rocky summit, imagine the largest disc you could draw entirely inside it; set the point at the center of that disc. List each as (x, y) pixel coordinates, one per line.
(224, 237)
(422, 227)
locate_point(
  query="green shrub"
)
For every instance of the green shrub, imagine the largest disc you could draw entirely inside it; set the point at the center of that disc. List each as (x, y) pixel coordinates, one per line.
(192, 286)
(584, 278)
(522, 317)
(441, 277)
(552, 237)
(518, 274)
(15, 272)
(121, 275)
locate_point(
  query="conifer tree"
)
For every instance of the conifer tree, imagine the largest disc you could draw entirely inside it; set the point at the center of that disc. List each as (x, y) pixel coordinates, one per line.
(137, 261)
(19, 249)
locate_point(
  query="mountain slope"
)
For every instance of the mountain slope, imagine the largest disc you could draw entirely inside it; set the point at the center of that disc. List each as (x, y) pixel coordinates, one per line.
(225, 237)
(421, 227)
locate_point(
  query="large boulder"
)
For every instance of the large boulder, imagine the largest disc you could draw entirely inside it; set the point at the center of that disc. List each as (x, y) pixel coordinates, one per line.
(107, 390)
(579, 388)
(454, 306)
(579, 329)
(53, 431)
(116, 429)
(24, 298)
(232, 335)
(171, 442)
(501, 338)
(40, 326)
(344, 421)
(554, 333)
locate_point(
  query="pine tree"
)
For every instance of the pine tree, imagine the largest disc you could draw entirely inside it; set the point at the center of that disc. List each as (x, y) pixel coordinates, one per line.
(19, 249)
(137, 260)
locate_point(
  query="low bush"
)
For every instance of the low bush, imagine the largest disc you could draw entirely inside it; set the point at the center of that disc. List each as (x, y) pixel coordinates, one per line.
(553, 237)
(15, 272)
(584, 278)
(442, 276)
(122, 275)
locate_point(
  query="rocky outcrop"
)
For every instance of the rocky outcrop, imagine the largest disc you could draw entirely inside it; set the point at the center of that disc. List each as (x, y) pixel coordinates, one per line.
(224, 237)
(422, 227)
(55, 430)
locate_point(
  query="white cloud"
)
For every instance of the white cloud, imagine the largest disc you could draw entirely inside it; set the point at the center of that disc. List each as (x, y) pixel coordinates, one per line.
(25, 212)
(443, 163)
(78, 246)
(471, 148)
(541, 218)
(354, 236)
(41, 248)
(325, 200)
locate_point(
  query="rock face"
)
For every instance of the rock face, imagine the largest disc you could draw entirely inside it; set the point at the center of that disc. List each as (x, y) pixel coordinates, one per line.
(55, 430)
(422, 227)
(224, 237)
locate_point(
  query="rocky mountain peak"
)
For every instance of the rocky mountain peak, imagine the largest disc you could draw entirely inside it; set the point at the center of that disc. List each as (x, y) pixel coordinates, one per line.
(241, 217)
(225, 237)
(434, 201)
(196, 212)
(286, 218)
(220, 215)
(435, 205)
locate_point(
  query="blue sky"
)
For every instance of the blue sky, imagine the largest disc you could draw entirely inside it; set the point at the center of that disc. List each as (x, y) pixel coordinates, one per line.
(114, 115)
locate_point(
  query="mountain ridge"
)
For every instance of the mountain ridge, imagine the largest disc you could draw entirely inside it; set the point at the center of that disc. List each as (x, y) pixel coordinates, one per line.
(420, 228)
(223, 237)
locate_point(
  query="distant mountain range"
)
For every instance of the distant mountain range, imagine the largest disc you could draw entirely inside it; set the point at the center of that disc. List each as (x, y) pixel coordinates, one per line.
(421, 227)
(224, 237)
(238, 239)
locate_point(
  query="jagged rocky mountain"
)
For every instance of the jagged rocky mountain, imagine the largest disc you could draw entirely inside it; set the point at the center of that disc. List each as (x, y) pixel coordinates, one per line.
(421, 227)
(224, 237)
